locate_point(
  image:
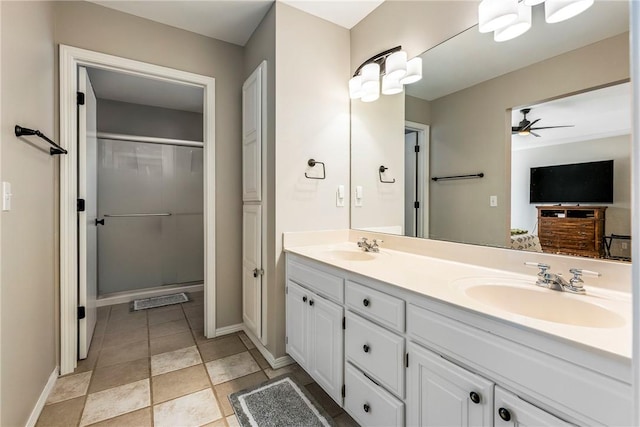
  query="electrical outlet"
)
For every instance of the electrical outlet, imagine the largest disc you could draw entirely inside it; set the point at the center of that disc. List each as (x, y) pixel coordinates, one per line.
(6, 196)
(493, 201)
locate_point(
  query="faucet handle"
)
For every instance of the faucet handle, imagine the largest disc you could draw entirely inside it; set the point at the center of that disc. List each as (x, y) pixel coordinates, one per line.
(362, 242)
(576, 280)
(376, 241)
(543, 267)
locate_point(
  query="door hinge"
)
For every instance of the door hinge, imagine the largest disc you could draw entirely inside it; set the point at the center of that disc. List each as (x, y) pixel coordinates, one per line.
(80, 98)
(416, 205)
(80, 205)
(416, 148)
(344, 390)
(406, 360)
(344, 322)
(81, 312)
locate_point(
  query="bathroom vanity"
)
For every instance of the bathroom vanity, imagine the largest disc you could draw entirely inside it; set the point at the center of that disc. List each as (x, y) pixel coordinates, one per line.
(399, 339)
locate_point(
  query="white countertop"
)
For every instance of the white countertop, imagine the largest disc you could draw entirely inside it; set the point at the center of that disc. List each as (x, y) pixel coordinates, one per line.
(447, 281)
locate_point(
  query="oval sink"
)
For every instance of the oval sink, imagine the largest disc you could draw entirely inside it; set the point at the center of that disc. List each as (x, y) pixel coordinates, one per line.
(545, 304)
(346, 255)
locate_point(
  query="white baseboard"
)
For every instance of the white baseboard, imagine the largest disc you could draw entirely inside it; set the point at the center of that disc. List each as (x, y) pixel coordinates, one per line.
(280, 362)
(37, 410)
(225, 330)
(124, 297)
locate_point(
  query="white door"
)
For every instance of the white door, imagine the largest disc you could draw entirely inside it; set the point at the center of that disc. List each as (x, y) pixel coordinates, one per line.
(440, 393)
(326, 345)
(296, 324)
(510, 410)
(252, 99)
(251, 268)
(87, 225)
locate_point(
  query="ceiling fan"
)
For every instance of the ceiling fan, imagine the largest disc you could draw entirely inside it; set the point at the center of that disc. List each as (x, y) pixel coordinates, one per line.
(525, 127)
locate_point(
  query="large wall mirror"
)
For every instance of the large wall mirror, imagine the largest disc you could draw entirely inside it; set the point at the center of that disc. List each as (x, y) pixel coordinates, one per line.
(453, 159)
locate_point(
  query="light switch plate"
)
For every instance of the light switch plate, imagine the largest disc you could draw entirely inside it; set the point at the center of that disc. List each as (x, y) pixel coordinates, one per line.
(358, 196)
(493, 201)
(340, 196)
(6, 196)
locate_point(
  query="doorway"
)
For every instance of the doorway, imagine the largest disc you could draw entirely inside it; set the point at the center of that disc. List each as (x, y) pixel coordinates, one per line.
(154, 151)
(416, 171)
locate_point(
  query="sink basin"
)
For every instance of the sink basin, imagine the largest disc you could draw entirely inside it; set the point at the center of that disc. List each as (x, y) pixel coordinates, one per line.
(346, 255)
(544, 304)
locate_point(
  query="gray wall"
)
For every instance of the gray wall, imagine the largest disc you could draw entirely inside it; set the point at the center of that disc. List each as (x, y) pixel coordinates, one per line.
(417, 110)
(29, 232)
(145, 120)
(89, 26)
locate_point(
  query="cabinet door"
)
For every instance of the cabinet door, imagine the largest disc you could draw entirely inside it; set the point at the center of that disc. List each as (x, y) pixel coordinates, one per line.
(296, 323)
(252, 101)
(440, 393)
(251, 265)
(510, 410)
(326, 345)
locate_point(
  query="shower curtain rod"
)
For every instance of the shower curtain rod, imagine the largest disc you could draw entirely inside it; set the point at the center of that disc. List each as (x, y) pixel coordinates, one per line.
(149, 139)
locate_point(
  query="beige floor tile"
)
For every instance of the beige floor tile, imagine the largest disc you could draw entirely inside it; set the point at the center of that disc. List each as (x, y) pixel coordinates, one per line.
(231, 367)
(69, 387)
(174, 360)
(103, 312)
(194, 310)
(125, 337)
(246, 341)
(119, 310)
(179, 383)
(166, 314)
(123, 373)
(225, 389)
(173, 342)
(116, 401)
(193, 409)
(168, 328)
(126, 323)
(198, 333)
(324, 400)
(123, 353)
(101, 326)
(139, 418)
(262, 362)
(344, 420)
(61, 414)
(196, 322)
(222, 347)
(89, 363)
(233, 421)
(217, 423)
(295, 370)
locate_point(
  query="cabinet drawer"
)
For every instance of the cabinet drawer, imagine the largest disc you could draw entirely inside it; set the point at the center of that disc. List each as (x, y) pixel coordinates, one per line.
(323, 283)
(378, 306)
(368, 403)
(377, 351)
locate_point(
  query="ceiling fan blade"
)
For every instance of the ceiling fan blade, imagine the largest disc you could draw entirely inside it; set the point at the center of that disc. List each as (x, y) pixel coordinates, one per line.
(531, 124)
(553, 127)
(534, 134)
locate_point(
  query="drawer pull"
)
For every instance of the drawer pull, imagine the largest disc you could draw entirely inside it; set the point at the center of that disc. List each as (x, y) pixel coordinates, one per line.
(475, 397)
(310, 302)
(304, 299)
(365, 302)
(366, 407)
(366, 348)
(504, 414)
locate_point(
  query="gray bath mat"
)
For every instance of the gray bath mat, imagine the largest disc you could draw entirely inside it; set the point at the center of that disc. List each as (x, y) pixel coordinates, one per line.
(279, 402)
(145, 303)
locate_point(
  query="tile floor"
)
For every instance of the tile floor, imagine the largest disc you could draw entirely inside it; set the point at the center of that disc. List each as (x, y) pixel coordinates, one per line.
(156, 368)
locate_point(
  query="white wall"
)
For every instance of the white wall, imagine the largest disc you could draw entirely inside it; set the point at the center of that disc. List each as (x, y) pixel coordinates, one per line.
(28, 239)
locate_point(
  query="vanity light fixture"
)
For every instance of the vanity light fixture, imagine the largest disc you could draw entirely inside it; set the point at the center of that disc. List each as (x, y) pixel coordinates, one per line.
(508, 19)
(390, 66)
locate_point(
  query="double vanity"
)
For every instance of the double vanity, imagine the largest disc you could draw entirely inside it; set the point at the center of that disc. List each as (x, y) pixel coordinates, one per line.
(399, 338)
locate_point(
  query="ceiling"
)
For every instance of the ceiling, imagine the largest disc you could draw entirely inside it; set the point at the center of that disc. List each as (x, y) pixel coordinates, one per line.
(234, 21)
(595, 114)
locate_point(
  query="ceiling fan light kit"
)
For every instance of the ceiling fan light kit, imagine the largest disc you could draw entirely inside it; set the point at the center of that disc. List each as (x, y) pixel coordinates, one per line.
(508, 19)
(525, 127)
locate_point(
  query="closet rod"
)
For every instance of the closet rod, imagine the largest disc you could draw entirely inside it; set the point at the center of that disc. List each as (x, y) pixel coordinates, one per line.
(149, 139)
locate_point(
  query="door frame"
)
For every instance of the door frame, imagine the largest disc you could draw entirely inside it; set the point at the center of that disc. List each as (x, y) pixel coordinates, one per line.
(70, 58)
(423, 172)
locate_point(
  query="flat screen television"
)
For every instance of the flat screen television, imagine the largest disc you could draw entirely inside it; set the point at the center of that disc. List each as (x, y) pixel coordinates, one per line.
(590, 182)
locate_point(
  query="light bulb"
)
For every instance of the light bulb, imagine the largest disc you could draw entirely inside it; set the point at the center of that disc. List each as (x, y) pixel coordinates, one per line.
(355, 87)
(395, 65)
(414, 71)
(391, 86)
(520, 26)
(496, 14)
(561, 10)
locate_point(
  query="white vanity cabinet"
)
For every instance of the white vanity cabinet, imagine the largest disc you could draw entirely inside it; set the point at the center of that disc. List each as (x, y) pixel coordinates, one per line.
(440, 393)
(510, 410)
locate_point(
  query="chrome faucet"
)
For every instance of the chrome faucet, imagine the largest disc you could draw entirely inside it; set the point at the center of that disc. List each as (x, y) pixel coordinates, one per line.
(557, 282)
(369, 247)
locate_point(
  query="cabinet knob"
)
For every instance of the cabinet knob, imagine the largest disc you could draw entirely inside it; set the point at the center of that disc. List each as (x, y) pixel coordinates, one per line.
(304, 299)
(366, 407)
(475, 397)
(310, 302)
(366, 348)
(504, 414)
(365, 302)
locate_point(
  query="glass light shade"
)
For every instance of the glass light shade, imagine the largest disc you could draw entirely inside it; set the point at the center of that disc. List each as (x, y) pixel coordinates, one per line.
(395, 66)
(561, 10)
(371, 91)
(519, 27)
(532, 2)
(370, 73)
(391, 86)
(414, 71)
(355, 87)
(496, 14)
